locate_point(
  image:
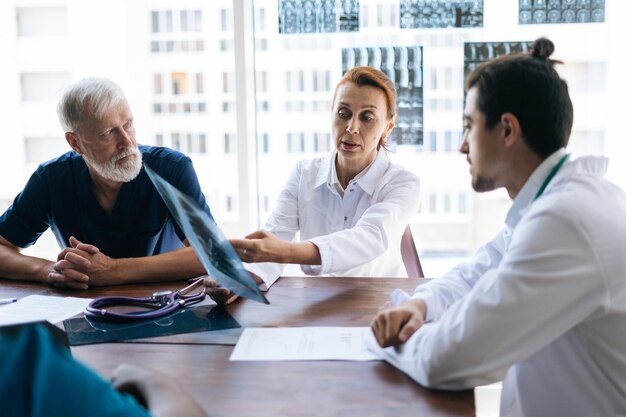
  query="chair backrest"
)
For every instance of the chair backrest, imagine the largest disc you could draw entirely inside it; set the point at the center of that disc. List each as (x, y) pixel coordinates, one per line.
(409, 255)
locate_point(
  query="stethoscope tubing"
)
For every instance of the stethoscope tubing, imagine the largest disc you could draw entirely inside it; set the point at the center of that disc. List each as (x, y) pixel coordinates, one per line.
(97, 309)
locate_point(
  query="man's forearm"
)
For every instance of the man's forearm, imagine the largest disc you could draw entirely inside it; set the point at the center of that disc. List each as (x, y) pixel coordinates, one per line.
(14, 265)
(179, 264)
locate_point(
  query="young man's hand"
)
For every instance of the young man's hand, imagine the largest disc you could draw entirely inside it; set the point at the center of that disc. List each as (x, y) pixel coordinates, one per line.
(393, 326)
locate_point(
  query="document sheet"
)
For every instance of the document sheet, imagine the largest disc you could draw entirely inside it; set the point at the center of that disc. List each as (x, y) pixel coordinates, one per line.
(487, 400)
(304, 343)
(42, 307)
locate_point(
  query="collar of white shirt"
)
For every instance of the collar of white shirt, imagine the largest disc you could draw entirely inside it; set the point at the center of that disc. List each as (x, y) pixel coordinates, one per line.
(525, 197)
(367, 179)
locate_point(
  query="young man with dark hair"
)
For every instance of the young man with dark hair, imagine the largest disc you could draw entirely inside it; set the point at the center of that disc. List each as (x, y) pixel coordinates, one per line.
(543, 305)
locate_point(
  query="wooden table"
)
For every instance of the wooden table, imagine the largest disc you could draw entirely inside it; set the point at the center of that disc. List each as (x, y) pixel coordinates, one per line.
(318, 388)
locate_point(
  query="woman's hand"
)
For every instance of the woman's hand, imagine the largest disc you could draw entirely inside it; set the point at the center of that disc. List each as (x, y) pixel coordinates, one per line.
(262, 246)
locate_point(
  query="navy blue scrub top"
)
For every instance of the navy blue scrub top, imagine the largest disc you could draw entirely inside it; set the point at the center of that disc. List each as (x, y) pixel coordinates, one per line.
(59, 196)
(39, 378)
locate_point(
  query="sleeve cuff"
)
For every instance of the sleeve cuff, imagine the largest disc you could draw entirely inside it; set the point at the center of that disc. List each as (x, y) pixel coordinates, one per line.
(311, 269)
(325, 257)
(428, 298)
(268, 272)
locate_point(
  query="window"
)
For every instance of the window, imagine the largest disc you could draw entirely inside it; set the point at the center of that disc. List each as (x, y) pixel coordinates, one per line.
(364, 16)
(179, 83)
(288, 80)
(226, 45)
(393, 16)
(225, 20)
(447, 203)
(155, 21)
(230, 143)
(379, 15)
(197, 14)
(228, 106)
(321, 142)
(262, 81)
(43, 86)
(230, 203)
(228, 82)
(321, 81)
(259, 21)
(169, 23)
(433, 78)
(263, 106)
(448, 141)
(41, 21)
(261, 44)
(184, 22)
(462, 203)
(266, 204)
(433, 141)
(176, 141)
(39, 149)
(432, 203)
(158, 84)
(199, 83)
(301, 80)
(449, 79)
(266, 142)
(202, 143)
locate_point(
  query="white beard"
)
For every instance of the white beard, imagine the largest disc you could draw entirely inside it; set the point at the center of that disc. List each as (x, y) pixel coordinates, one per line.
(112, 171)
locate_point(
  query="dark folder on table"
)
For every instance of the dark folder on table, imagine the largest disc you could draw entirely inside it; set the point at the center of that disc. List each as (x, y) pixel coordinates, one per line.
(84, 331)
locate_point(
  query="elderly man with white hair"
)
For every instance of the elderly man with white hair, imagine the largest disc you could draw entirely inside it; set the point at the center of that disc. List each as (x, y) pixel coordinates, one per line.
(106, 215)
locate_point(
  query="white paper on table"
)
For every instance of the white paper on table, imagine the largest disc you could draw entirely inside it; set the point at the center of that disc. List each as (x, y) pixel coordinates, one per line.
(42, 307)
(304, 343)
(487, 400)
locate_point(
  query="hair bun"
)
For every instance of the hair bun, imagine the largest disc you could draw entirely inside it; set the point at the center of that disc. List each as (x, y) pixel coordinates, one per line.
(542, 48)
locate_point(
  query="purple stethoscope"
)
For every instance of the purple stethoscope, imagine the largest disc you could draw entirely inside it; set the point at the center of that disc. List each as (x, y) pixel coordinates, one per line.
(158, 305)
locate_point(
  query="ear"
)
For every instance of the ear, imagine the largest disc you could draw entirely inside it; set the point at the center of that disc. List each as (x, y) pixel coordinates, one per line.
(74, 143)
(383, 138)
(390, 125)
(511, 129)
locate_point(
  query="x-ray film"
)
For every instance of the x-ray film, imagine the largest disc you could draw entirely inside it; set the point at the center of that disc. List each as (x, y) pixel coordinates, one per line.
(215, 252)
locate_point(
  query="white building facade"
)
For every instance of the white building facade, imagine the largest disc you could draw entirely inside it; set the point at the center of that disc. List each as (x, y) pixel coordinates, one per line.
(176, 61)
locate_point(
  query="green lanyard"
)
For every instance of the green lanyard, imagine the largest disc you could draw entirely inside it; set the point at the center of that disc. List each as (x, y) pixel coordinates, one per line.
(550, 176)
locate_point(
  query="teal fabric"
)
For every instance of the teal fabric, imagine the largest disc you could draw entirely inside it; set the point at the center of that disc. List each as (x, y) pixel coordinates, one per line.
(38, 377)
